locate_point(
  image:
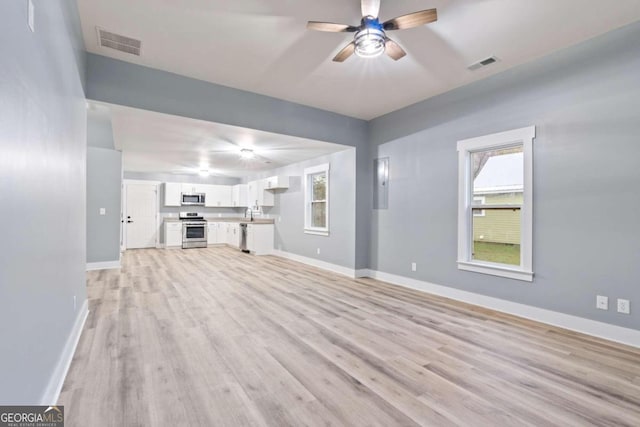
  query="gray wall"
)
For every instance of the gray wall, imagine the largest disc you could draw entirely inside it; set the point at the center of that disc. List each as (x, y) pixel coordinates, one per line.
(585, 103)
(118, 82)
(99, 130)
(104, 178)
(337, 248)
(42, 188)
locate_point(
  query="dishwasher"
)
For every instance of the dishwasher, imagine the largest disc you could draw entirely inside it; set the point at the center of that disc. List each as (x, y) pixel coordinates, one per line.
(243, 237)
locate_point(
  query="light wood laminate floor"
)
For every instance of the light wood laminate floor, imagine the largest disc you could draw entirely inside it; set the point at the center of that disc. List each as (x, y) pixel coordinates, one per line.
(214, 337)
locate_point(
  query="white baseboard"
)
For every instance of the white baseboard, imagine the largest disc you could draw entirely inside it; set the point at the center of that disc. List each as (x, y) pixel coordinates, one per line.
(574, 323)
(52, 392)
(345, 271)
(364, 272)
(105, 265)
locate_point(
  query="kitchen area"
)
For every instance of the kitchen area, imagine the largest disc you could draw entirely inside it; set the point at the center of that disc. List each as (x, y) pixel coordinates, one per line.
(156, 181)
(251, 232)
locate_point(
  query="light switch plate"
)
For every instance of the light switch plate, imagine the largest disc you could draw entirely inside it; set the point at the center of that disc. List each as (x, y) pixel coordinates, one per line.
(602, 302)
(414, 266)
(32, 16)
(103, 211)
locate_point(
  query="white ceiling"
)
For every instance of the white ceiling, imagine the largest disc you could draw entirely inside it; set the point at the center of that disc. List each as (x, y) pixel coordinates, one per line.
(262, 45)
(162, 143)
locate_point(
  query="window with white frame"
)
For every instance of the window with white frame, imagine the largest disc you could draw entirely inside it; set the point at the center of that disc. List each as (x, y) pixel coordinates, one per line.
(495, 197)
(316, 207)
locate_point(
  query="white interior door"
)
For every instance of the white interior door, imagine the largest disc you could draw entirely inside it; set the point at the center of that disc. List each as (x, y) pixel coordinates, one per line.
(141, 216)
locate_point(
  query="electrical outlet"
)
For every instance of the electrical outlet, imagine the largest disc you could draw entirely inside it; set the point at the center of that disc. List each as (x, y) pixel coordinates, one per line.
(279, 219)
(318, 251)
(414, 266)
(32, 16)
(602, 302)
(624, 306)
(74, 303)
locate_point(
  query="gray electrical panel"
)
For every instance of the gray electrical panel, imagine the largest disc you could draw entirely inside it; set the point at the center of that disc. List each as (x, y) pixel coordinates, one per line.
(381, 183)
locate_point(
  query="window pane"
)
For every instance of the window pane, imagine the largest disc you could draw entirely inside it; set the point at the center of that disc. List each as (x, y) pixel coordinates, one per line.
(496, 236)
(319, 182)
(498, 175)
(318, 214)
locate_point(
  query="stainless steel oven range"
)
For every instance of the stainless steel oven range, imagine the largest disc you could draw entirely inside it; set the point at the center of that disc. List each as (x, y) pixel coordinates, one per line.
(194, 230)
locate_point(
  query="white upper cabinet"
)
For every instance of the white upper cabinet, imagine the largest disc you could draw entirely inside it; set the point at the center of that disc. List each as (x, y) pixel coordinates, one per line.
(277, 182)
(255, 193)
(218, 196)
(240, 196)
(172, 194)
(252, 190)
(258, 196)
(192, 188)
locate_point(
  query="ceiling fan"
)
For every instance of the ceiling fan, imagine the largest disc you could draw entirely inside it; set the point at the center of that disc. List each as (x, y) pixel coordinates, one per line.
(370, 39)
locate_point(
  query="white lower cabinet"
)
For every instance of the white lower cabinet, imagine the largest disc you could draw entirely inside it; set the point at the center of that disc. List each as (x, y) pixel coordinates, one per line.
(212, 233)
(260, 238)
(172, 234)
(217, 233)
(233, 235)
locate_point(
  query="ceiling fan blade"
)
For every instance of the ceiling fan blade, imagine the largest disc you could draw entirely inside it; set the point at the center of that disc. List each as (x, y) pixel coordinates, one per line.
(345, 53)
(411, 20)
(393, 49)
(331, 27)
(370, 8)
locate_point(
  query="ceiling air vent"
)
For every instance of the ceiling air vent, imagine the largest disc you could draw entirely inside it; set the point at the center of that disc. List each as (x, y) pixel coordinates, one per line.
(118, 42)
(485, 62)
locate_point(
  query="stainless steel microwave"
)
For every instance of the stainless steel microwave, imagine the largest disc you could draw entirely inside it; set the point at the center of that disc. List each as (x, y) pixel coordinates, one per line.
(192, 199)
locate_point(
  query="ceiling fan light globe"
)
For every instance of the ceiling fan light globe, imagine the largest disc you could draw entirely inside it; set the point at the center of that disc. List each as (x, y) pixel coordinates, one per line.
(370, 43)
(246, 153)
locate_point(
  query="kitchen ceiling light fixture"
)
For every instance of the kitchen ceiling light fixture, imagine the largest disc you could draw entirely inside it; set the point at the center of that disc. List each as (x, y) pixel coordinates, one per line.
(247, 153)
(370, 39)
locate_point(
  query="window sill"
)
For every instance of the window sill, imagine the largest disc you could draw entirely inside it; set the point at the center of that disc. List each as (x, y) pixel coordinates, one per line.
(496, 270)
(317, 232)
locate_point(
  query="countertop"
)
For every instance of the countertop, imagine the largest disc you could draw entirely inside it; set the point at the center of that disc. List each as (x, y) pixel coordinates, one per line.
(227, 219)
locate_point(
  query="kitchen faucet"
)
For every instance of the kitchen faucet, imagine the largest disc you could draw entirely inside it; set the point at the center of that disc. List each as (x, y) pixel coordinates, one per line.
(250, 211)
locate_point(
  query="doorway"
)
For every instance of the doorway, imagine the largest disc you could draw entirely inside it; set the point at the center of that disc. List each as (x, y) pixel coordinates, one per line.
(140, 217)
